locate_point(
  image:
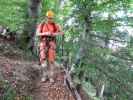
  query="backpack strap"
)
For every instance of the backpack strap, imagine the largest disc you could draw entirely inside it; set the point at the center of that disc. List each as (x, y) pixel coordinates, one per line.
(42, 25)
(54, 26)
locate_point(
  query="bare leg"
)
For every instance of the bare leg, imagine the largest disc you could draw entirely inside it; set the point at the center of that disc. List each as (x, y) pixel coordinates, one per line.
(51, 72)
(51, 60)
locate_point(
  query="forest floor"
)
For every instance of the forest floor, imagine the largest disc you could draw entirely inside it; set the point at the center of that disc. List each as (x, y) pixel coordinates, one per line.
(24, 75)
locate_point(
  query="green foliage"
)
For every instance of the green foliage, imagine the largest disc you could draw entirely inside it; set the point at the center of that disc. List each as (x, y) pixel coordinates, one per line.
(9, 93)
(101, 63)
(12, 13)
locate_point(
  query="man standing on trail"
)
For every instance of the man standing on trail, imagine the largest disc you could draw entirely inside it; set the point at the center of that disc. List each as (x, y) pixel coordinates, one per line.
(47, 31)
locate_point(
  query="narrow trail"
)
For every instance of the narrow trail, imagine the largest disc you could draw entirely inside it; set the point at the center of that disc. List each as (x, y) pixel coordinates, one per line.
(52, 91)
(24, 76)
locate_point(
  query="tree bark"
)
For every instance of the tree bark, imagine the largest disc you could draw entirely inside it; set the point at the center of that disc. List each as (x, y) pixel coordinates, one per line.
(30, 25)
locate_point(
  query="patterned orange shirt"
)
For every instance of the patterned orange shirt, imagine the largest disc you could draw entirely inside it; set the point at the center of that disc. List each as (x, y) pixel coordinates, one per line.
(48, 27)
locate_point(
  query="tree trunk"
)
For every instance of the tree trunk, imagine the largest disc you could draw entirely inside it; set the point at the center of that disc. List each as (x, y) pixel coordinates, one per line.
(102, 90)
(84, 39)
(30, 25)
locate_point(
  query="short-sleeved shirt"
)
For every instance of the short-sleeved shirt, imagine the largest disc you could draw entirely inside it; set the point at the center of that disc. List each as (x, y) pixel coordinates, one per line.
(48, 27)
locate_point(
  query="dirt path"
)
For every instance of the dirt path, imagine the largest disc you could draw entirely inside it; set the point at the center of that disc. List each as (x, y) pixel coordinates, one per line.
(25, 78)
(56, 91)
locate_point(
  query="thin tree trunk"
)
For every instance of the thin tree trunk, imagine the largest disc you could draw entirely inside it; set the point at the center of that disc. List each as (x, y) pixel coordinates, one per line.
(30, 25)
(102, 90)
(84, 37)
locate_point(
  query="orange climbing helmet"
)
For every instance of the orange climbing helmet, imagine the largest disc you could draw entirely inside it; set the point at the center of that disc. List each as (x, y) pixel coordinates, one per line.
(50, 14)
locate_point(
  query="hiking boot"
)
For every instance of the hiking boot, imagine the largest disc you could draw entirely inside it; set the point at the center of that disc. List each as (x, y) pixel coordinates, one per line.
(51, 80)
(44, 77)
(44, 64)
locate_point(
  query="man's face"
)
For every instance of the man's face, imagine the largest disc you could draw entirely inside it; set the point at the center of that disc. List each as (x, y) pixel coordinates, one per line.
(50, 19)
